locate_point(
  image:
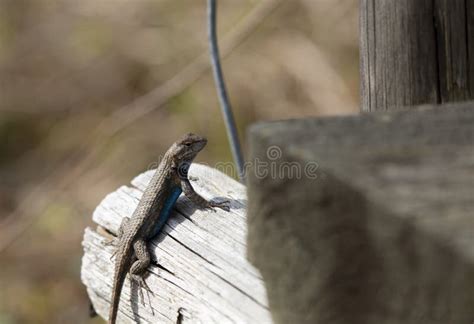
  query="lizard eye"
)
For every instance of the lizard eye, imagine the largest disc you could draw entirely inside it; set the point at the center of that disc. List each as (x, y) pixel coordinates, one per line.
(187, 144)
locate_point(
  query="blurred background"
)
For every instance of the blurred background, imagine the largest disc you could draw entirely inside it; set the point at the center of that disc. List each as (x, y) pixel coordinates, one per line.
(93, 91)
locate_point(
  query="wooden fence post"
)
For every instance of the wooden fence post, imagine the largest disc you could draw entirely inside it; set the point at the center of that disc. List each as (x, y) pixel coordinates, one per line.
(381, 229)
(416, 52)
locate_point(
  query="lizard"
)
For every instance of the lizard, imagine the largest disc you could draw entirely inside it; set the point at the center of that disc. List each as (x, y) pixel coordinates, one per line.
(153, 210)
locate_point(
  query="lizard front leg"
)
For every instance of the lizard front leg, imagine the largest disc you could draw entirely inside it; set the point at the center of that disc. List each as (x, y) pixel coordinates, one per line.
(199, 200)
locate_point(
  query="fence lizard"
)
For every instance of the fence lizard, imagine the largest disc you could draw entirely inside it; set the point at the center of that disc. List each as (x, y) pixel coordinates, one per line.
(152, 212)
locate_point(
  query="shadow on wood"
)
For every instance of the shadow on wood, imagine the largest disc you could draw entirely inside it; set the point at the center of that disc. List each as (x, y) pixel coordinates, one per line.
(383, 232)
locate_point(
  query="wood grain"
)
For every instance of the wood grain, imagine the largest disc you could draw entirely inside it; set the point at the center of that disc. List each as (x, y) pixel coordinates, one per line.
(415, 52)
(199, 274)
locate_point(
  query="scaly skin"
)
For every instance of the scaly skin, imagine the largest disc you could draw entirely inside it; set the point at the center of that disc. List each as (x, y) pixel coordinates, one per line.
(152, 212)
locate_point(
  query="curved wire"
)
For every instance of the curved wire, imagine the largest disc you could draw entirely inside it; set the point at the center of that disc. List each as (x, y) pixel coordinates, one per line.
(226, 108)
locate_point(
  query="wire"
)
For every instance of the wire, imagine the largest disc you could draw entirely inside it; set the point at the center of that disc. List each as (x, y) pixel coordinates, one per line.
(64, 175)
(221, 90)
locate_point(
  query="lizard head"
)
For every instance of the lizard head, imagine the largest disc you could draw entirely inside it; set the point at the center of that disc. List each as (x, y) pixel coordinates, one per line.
(188, 147)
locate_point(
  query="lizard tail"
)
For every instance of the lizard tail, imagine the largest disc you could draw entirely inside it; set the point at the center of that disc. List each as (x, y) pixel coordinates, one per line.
(120, 274)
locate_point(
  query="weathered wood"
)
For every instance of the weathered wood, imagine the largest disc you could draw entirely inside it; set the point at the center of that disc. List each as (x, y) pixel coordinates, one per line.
(415, 52)
(385, 231)
(452, 40)
(470, 33)
(199, 274)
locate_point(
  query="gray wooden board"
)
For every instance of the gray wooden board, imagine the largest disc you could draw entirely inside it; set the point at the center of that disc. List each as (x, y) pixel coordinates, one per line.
(199, 274)
(385, 231)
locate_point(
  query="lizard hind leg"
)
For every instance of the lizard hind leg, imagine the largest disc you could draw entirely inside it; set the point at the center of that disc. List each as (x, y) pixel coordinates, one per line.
(122, 227)
(138, 268)
(121, 230)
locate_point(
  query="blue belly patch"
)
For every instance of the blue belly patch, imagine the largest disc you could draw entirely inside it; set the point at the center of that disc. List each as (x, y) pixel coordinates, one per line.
(166, 210)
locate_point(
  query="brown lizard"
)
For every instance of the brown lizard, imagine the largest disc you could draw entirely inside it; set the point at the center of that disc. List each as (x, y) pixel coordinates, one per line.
(152, 212)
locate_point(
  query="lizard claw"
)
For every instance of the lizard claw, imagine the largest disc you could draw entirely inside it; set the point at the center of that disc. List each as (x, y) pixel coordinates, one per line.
(113, 255)
(142, 285)
(224, 205)
(111, 242)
